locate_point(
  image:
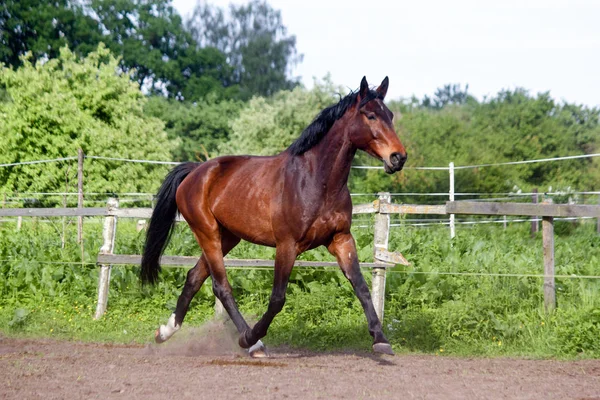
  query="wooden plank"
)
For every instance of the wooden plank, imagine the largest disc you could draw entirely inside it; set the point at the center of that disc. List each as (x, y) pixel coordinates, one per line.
(53, 212)
(369, 208)
(412, 209)
(451, 207)
(547, 210)
(169, 261)
(145, 213)
(142, 213)
(391, 257)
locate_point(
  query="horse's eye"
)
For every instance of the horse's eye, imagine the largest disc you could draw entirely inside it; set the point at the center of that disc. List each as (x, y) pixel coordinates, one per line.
(372, 117)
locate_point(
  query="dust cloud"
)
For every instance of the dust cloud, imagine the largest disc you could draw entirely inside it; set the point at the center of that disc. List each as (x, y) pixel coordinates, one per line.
(216, 337)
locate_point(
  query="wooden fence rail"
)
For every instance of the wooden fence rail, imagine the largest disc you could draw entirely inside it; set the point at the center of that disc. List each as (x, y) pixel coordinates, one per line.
(106, 258)
(382, 258)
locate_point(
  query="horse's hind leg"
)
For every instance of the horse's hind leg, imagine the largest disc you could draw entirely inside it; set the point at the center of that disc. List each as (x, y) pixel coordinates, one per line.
(214, 250)
(195, 278)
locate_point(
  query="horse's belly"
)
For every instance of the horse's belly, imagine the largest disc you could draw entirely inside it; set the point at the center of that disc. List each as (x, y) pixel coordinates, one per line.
(252, 233)
(249, 223)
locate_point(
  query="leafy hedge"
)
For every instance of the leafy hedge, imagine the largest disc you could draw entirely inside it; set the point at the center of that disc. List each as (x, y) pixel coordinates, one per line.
(46, 291)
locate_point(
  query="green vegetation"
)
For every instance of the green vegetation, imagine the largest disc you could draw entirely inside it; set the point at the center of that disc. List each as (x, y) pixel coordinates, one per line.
(255, 42)
(56, 107)
(237, 55)
(511, 126)
(45, 290)
(84, 103)
(267, 126)
(130, 79)
(198, 128)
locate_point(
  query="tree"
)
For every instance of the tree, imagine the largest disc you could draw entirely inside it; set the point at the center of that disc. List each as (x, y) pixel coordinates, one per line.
(150, 37)
(267, 126)
(519, 126)
(43, 27)
(255, 42)
(200, 127)
(56, 107)
(449, 94)
(511, 126)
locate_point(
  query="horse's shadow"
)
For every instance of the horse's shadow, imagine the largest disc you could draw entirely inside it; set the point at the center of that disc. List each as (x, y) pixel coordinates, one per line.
(281, 353)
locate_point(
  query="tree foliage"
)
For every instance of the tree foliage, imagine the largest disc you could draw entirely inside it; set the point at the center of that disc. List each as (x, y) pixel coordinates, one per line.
(56, 107)
(255, 41)
(43, 27)
(199, 127)
(511, 126)
(447, 95)
(150, 37)
(267, 126)
(243, 53)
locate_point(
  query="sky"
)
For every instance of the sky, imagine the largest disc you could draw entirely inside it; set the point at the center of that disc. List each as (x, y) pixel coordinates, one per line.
(421, 45)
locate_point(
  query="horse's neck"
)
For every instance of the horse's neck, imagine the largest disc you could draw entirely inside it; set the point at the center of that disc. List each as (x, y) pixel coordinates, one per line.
(331, 159)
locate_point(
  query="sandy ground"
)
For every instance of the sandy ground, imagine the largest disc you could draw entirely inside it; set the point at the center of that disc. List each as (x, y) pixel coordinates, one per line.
(206, 364)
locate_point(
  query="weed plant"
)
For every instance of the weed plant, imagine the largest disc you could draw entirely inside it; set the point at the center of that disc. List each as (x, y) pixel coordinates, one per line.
(480, 294)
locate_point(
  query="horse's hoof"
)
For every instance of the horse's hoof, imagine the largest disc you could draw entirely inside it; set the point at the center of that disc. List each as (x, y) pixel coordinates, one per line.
(383, 348)
(158, 338)
(258, 350)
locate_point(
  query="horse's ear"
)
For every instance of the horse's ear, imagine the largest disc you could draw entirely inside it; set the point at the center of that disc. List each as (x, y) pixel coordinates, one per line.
(382, 89)
(364, 88)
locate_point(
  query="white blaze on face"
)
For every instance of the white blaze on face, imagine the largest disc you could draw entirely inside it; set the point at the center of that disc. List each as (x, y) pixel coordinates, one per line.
(166, 331)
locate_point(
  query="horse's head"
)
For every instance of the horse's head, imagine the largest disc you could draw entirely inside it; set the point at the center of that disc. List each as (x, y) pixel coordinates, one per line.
(372, 129)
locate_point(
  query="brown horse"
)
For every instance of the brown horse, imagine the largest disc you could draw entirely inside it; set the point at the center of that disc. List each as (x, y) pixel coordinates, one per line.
(294, 201)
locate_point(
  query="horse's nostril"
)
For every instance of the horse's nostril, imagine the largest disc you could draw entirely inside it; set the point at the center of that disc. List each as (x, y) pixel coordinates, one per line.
(398, 159)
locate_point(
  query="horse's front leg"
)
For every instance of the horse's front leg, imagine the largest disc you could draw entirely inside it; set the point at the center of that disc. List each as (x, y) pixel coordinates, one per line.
(285, 256)
(344, 249)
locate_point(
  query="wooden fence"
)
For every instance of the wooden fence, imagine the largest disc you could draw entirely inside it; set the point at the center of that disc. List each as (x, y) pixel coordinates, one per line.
(382, 257)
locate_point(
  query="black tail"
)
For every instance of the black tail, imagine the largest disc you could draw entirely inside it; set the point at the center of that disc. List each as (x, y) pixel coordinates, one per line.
(162, 222)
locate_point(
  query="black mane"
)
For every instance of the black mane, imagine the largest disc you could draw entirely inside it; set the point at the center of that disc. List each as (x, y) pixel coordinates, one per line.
(317, 129)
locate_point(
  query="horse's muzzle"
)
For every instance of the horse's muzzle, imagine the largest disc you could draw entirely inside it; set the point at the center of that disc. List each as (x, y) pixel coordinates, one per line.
(397, 161)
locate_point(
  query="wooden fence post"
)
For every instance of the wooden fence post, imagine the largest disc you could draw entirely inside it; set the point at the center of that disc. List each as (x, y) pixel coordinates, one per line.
(548, 243)
(535, 226)
(109, 232)
(382, 232)
(80, 196)
(598, 220)
(451, 196)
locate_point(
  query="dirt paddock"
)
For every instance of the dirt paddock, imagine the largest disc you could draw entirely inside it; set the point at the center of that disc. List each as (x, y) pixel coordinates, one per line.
(203, 368)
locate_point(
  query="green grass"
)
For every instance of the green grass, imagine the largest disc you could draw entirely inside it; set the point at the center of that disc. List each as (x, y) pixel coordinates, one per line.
(431, 306)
